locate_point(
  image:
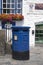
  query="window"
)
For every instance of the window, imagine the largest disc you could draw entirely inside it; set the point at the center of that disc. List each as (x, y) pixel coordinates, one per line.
(4, 1)
(13, 11)
(12, 1)
(4, 5)
(19, 1)
(39, 33)
(4, 10)
(18, 11)
(8, 1)
(19, 5)
(8, 11)
(8, 5)
(12, 6)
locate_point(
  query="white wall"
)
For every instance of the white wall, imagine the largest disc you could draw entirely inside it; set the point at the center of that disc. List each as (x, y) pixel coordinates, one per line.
(30, 18)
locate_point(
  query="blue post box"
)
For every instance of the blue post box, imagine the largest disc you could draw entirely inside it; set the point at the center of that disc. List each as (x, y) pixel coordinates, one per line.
(20, 43)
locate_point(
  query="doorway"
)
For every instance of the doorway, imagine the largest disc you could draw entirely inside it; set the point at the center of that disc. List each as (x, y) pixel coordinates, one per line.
(39, 34)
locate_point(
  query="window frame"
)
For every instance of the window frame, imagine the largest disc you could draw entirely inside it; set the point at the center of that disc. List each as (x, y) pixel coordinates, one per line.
(16, 6)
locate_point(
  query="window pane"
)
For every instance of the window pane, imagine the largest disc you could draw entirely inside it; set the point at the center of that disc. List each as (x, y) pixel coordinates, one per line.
(13, 11)
(19, 0)
(4, 1)
(8, 5)
(8, 1)
(4, 5)
(13, 5)
(8, 10)
(19, 5)
(19, 11)
(12, 1)
(4, 10)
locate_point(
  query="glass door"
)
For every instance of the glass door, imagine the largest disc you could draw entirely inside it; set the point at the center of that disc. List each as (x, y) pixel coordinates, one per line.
(39, 34)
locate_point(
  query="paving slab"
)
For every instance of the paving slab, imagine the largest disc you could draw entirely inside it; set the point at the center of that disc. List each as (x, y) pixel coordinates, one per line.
(36, 58)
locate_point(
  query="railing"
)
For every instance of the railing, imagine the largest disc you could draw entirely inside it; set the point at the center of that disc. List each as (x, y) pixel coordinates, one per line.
(8, 32)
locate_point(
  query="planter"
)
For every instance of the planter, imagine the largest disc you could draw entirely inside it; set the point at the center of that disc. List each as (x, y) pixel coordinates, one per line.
(10, 17)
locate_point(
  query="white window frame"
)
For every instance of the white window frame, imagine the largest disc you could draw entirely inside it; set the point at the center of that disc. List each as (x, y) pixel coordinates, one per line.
(11, 7)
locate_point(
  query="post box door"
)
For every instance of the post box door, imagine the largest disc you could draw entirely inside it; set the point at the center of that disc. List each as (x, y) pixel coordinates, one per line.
(20, 40)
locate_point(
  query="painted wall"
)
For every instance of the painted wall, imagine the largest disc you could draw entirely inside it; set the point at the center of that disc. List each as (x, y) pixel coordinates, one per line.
(30, 18)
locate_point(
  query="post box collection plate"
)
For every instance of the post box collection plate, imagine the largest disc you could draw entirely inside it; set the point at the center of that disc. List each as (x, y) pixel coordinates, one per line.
(15, 37)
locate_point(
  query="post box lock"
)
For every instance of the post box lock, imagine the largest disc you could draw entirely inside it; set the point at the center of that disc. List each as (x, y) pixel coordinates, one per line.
(15, 37)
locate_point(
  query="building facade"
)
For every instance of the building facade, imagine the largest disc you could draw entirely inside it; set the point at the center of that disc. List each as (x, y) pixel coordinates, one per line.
(33, 16)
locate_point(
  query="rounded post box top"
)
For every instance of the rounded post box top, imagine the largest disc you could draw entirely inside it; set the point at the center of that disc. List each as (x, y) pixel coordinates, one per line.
(20, 27)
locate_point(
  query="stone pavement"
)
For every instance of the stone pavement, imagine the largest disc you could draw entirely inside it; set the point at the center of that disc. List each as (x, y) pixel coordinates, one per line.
(36, 58)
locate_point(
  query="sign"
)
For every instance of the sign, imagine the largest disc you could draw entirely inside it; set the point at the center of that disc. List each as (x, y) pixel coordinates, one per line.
(15, 37)
(35, 8)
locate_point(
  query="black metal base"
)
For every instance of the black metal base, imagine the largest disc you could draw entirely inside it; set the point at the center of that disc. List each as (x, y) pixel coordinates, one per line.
(20, 55)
